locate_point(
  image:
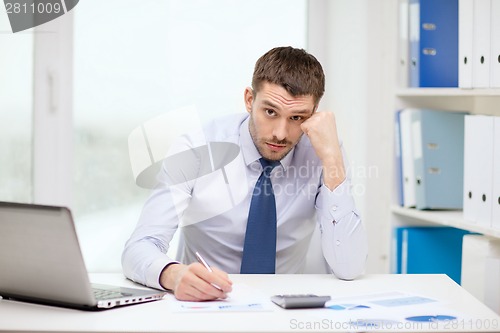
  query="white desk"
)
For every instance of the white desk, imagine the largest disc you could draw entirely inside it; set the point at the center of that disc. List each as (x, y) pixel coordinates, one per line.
(157, 317)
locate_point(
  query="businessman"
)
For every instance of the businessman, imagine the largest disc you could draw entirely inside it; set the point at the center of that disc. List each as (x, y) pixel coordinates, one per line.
(290, 174)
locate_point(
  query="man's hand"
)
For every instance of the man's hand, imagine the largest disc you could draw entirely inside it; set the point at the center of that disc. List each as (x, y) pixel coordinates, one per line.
(321, 129)
(195, 283)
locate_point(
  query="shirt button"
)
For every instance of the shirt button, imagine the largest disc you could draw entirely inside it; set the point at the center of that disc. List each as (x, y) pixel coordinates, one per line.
(337, 243)
(334, 208)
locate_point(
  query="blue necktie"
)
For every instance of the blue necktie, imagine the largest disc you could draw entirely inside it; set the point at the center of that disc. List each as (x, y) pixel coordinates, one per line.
(259, 251)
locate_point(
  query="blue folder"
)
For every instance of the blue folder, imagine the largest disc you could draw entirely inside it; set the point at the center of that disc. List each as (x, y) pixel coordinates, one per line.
(429, 250)
(438, 155)
(433, 43)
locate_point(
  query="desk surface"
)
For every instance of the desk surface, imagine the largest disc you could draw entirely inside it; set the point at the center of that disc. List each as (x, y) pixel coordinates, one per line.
(158, 317)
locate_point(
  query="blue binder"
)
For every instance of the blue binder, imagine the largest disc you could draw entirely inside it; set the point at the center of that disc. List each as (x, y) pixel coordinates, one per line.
(438, 154)
(429, 250)
(433, 43)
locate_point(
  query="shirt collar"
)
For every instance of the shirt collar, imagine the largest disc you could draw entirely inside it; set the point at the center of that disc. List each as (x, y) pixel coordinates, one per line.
(250, 152)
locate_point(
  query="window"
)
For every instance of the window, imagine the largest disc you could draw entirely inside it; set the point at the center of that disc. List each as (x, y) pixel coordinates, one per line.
(16, 109)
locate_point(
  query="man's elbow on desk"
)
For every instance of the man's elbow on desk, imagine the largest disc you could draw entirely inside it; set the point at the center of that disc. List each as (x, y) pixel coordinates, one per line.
(349, 260)
(348, 271)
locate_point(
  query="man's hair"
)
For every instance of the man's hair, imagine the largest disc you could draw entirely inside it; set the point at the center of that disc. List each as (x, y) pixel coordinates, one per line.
(299, 72)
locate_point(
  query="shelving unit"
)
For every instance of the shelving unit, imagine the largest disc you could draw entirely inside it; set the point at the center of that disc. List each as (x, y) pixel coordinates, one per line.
(475, 101)
(450, 218)
(446, 92)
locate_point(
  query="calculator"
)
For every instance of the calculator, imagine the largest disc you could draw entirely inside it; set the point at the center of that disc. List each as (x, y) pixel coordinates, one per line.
(300, 301)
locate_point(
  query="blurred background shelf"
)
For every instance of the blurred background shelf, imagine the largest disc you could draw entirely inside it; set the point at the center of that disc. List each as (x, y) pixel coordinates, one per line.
(450, 218)
(443, 92)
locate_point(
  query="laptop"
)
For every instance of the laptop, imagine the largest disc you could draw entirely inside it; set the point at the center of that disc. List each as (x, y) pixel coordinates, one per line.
(41, 262)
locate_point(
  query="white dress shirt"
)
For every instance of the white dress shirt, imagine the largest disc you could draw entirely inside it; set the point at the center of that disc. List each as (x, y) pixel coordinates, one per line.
(207, 198)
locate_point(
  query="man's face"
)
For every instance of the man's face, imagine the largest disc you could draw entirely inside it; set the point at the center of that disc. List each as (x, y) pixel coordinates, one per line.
(275, 119)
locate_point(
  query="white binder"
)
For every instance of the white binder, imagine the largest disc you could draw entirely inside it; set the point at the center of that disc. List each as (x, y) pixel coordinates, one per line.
(495, 221)
(465, 32)
(408, 168)
(478, 169)
(403, 47)
(481, 44)
(495, 45)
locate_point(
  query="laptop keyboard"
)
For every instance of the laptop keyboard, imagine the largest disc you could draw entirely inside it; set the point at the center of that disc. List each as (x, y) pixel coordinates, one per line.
(101, 294)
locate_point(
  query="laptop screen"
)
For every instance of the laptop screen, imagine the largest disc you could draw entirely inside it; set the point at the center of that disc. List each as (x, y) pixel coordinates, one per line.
(40, 255)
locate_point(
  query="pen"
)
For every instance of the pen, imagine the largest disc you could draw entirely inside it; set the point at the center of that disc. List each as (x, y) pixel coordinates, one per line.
(204, 263)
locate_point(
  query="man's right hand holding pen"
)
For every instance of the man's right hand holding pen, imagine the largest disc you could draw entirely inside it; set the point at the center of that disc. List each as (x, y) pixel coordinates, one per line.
(196, 282)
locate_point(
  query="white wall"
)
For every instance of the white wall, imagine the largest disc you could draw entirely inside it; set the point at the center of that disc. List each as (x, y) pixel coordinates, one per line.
(360, 41)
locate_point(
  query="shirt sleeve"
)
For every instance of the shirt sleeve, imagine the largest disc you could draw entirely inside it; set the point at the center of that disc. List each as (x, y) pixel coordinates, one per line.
(145, 254)
(343, 236)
